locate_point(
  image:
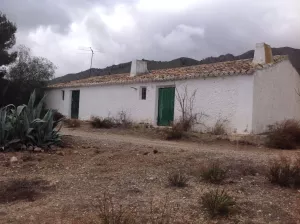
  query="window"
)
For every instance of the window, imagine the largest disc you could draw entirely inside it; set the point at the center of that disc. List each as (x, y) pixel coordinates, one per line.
(143, 93)
(63, 95)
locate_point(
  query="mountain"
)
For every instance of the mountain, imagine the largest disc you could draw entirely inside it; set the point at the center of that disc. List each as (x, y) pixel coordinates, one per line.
(294, 55)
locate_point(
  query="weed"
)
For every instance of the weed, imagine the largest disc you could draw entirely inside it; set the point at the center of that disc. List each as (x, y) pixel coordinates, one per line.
(177, 179)
(217, 202)
(213, 173)
(72, 123)
(284, 172)
(164, 214)
(123, 120)
(112, 213)
(22, 189)
(98, 122)
(175, 133)
(284, 135)
(219, 127)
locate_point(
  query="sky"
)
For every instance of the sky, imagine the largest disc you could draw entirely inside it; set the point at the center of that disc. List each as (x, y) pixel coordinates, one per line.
(123, 30)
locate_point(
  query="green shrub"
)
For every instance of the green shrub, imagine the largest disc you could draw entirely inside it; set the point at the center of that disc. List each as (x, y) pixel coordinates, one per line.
(98, 122)
(72, 123)
(217, 202)
(285, 172)
(177, 179)
(284, 135)
(213, 173)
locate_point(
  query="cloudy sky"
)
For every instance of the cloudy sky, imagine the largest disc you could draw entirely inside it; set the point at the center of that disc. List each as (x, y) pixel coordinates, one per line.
(122, 30)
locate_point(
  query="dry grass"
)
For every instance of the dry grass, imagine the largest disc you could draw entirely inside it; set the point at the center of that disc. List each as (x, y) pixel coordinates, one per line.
(217, 202)
(284, 135)
(72, 123)
(213, 173)
(98, 122)
(111, 212)
(135, 177)
(23, 189)
(219, 127)
(285, 172)
(175, 132)
(178, 179)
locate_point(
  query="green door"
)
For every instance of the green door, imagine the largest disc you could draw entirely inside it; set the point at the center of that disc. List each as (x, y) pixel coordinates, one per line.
(75, 104)
(166, 98)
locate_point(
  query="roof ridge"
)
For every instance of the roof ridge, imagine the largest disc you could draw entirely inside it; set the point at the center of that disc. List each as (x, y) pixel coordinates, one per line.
(226, 68)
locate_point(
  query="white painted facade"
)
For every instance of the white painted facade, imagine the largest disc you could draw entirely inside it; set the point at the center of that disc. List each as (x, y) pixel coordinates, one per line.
(228, 98)
(248, 103)
(275, 95)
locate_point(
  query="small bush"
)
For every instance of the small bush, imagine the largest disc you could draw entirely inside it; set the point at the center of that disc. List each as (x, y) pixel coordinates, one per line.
(175, 133)
(217, 202)
(98, 122)
(57, 116)
(123, 120)
(213, 173)
(72, 123)
(219, 128)
(178, 179)
(284, 172)
(110, 213)
(284, 135)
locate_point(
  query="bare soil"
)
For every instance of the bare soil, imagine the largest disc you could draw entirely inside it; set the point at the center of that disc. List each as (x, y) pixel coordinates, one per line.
(123, 164)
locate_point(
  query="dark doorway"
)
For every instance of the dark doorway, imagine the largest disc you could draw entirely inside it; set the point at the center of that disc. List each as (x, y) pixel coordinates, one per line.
(75, 104)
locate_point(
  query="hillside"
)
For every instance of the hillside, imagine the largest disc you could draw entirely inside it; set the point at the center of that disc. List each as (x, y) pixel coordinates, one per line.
(294, 55)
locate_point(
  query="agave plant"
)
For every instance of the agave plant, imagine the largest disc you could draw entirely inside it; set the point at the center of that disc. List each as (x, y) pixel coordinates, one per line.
(25, 123)
(4, 127)
(43, 132)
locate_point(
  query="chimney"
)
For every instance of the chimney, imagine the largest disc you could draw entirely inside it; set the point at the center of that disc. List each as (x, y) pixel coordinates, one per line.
(262, 54)
(138, 67)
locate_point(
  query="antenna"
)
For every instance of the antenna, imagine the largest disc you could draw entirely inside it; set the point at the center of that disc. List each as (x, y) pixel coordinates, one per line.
(91, 61)
(92, 56)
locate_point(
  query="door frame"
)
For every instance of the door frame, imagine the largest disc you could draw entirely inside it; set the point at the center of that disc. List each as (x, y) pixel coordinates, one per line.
(157, 98)
(70, 104)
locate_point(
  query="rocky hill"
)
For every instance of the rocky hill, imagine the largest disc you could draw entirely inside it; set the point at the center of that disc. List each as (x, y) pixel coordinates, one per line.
(294, 55)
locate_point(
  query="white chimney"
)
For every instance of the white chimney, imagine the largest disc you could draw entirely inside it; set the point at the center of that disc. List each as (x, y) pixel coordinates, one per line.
(262, 54)
(138, 67)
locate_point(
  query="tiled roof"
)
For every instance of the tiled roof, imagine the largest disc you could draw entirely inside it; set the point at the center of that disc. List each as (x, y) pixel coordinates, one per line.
(238, 67)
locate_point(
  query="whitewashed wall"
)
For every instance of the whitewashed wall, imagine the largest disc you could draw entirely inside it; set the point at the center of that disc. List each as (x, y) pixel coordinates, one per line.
(226, 98)
(275, 97)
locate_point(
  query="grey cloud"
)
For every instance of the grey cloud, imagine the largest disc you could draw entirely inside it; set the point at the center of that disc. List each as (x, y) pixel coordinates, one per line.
(206, 28)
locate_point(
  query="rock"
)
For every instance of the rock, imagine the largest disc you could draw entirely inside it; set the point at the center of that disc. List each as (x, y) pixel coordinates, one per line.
(155, 151)
(75, 152)
(60, 153)
(13, 159)
(52, 147)
(23, 147)
(37, 149)
(145, 153)
(30, 148)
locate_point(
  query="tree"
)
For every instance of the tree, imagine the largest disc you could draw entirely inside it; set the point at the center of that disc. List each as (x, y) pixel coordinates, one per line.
(7, 40)
(29, 69)
(26, 74)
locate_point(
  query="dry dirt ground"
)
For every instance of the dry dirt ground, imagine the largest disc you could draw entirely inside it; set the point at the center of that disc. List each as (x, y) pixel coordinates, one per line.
(70, 183)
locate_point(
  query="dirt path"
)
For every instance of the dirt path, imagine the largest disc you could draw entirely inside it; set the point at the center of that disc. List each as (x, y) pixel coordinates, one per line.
(219, 148)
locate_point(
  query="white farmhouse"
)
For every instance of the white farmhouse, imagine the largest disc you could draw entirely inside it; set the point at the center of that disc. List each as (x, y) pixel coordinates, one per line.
(249, 94)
